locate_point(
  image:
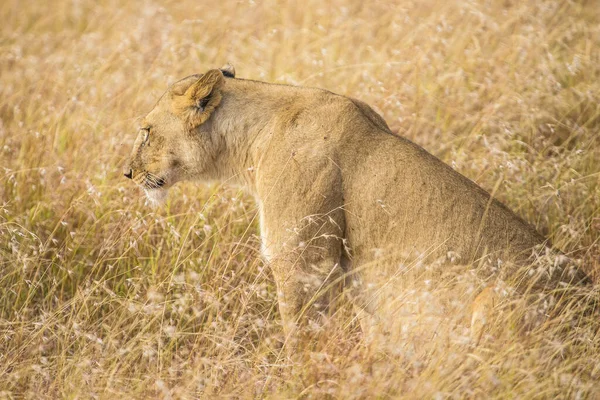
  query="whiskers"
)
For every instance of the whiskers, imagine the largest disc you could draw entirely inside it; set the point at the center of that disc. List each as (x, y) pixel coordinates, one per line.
(152, 181)
(153, 185)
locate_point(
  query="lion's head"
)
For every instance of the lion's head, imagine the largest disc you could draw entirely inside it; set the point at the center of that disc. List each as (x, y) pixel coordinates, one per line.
(175, 142)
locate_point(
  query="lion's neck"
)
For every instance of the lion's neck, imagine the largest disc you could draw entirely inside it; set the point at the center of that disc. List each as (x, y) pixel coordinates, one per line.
(245, 120)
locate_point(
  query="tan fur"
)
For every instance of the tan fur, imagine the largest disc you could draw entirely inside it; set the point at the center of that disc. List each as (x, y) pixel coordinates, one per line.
(338, 192)
(188, 105)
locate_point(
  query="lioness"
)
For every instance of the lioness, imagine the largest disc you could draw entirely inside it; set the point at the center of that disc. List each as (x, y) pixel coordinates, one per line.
(336, 189)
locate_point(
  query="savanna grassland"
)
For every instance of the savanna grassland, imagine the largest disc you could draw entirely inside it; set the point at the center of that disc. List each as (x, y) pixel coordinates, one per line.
(102, 296)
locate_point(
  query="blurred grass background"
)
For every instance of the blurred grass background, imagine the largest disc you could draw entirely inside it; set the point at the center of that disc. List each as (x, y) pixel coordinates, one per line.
(101, 296)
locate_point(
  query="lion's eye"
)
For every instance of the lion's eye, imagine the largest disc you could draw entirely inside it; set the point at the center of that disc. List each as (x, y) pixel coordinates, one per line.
(145, 135)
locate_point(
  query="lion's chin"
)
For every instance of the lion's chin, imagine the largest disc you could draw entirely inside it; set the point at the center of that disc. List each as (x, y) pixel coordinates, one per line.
(156, 197)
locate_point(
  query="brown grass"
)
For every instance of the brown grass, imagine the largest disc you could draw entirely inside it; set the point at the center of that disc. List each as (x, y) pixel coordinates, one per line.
(103, 297)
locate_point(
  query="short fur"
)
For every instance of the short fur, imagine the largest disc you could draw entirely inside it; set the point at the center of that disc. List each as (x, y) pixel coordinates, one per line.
(336, 189)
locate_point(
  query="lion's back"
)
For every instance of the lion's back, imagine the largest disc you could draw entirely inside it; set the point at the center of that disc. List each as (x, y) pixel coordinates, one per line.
(402, 199)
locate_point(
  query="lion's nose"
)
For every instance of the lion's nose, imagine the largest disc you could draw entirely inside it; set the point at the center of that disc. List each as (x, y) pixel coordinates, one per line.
(128, 172)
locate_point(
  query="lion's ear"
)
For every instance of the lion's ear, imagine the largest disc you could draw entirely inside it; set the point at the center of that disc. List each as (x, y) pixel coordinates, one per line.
(228, 70)
(199, 101)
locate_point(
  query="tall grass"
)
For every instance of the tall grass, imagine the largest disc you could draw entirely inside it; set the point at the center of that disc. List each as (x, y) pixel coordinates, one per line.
(101, 296)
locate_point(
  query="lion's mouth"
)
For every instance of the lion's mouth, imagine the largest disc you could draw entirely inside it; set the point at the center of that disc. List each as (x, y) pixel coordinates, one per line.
(148, 180)
(154, 186)
(153, 182)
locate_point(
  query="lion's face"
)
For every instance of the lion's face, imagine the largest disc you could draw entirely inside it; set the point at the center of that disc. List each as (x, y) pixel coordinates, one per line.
(174, 142)
(159, 153)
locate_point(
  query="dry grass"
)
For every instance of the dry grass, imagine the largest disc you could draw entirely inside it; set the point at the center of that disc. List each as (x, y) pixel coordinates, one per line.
(102, 297)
